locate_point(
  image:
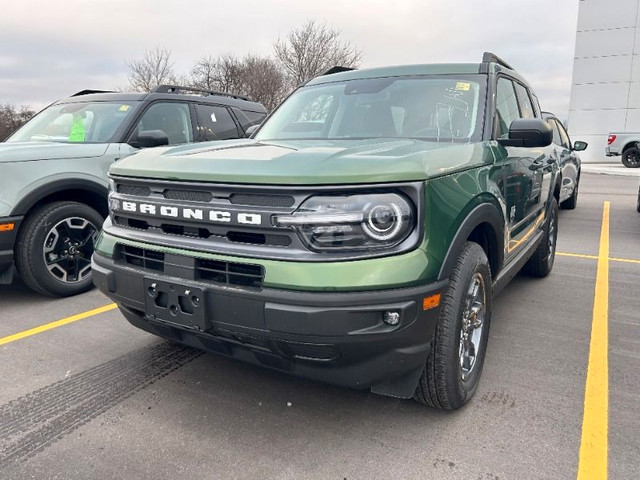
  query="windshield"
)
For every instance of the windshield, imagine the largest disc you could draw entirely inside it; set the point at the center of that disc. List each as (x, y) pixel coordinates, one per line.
(82, 122)
(438, 108)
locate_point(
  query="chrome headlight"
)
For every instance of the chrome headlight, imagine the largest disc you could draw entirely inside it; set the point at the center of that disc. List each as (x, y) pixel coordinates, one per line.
(367, 221)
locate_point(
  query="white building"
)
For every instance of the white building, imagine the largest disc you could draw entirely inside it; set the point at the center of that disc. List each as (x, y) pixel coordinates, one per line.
(605, 92)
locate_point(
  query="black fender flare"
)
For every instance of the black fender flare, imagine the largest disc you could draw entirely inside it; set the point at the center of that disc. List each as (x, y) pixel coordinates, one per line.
(483, 213)
(57, 186)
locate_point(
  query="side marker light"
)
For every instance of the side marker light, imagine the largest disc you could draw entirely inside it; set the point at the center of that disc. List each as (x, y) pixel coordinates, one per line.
(431, 302)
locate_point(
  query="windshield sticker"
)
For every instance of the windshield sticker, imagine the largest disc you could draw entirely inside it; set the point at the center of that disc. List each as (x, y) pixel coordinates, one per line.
(213, 118)
(77, 132)
(124, 108)
(463, 86)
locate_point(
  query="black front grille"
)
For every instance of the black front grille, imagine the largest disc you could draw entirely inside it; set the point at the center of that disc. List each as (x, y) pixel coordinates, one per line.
(188, 195)
(208, 271)
(141, 257)
(261, 200)
(228, 273)
(135, 190)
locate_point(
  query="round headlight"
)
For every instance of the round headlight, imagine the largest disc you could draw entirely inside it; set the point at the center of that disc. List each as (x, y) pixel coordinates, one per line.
(383, 221)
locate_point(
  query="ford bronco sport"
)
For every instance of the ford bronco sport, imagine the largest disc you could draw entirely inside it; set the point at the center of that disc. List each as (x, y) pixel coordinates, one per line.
(53, 171)
(357, 238)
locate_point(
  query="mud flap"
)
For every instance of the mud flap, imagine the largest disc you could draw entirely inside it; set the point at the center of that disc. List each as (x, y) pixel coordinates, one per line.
(400, 387)
(6, 277)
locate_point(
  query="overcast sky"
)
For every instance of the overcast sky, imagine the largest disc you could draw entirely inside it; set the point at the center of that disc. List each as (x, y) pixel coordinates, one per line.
(53, 48)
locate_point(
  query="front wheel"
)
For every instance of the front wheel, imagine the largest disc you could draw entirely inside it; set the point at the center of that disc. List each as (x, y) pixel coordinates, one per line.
(455, 361)
(571, 202)
(631, 157)
(53, 255)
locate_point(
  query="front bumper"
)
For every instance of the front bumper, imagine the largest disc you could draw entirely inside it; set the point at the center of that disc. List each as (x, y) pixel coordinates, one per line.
(338, 338)
(7, 244)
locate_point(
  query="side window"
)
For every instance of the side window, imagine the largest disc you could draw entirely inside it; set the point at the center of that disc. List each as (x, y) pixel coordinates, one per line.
(247, 118)
(536, 104)
(526, 107)
(215, 123)
(172, 118)
(563, 134)
(506, 107)
(556, 133)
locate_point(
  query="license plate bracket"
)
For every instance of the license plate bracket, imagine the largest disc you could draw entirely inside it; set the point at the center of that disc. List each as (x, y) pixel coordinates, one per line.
(176, 303)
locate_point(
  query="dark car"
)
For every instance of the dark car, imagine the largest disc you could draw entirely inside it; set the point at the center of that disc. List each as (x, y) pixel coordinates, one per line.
(568, 159)
(53, 171)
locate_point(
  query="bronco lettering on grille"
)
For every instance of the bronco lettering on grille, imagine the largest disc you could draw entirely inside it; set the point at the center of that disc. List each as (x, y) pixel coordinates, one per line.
(205, 214)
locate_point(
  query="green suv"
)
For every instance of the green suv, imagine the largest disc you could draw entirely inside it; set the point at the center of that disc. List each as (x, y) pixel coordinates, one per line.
(53, 171)
(357, 238)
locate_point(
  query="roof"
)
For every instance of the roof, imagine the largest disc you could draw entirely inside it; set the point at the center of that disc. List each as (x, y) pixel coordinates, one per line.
(132, 97)
(494, 65)
(400, 71)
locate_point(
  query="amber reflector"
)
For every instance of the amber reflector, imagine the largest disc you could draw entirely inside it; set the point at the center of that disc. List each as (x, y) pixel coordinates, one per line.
(6, 227)
(431, 302)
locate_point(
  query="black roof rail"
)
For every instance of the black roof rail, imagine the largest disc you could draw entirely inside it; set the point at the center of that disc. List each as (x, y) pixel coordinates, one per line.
(336, 69)
(88, 92)
(178, 88)
(488, 57)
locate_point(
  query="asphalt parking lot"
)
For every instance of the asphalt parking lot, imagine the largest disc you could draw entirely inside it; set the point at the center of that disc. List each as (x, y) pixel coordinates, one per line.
(97, 398)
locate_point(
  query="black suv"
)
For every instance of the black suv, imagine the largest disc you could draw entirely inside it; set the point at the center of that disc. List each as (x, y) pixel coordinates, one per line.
(53, 171)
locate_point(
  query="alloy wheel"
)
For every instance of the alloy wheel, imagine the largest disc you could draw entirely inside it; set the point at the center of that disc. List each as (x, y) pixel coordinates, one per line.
(68, 247)
(473, 318)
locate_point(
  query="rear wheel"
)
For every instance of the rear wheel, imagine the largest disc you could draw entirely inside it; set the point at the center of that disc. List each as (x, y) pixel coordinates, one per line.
(455, 361)
(631, 157)
(54, 249)
(541, 262)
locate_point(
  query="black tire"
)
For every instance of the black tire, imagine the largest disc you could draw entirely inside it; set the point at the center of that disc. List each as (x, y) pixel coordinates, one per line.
(571, 202)
(444, 382)
(541, 262)
(68, 250)
(631, 157)
(638, 204)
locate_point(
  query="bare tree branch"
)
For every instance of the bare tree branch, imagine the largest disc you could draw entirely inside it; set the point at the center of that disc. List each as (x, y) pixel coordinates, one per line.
(312, 49)
(12, 118)
(153, 69)
(260, 78)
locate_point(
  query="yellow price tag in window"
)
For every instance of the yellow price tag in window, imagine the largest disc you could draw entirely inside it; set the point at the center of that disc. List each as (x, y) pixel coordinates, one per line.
(463, 86)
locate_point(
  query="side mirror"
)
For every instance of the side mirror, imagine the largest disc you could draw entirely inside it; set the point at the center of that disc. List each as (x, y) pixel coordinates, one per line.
(150, 138)
(579, 146)
(528, 132)
(251, 130)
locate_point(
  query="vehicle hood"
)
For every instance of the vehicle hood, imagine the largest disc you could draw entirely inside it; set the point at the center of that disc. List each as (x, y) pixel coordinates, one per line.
(308, 162)
(30, 151)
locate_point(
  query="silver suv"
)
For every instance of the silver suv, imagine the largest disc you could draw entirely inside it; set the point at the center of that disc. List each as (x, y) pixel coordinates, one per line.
(53, 171)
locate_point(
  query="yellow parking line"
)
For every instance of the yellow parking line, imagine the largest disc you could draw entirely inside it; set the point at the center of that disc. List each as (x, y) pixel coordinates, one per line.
(592, 463)
(596, 257)
(625, 260)
(56, 324)
(577, 255)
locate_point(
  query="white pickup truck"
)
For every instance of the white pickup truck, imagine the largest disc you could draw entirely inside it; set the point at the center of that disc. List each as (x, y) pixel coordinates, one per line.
(627, 145)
